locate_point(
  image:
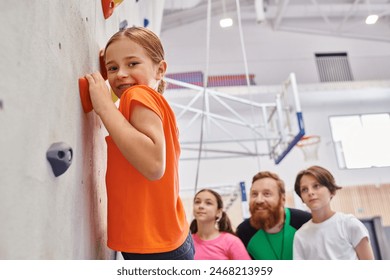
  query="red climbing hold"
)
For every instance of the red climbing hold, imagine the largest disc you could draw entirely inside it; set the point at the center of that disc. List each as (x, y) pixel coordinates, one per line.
(109, 6)
(84, 95)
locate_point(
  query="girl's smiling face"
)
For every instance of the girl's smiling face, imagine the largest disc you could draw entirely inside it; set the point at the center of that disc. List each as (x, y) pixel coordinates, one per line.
(128, 64)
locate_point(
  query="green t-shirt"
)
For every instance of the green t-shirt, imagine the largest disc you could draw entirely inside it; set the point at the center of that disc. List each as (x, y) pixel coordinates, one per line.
(274, 246)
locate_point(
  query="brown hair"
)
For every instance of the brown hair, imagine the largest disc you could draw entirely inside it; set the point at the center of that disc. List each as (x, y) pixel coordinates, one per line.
(224, 223)
(322, 175)
(146, 39)
(268, 174)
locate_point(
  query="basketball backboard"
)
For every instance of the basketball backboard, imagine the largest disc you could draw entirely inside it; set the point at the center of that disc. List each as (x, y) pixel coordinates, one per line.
(221, 123)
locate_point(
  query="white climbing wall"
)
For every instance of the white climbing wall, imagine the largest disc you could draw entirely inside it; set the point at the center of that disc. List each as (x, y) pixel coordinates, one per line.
(46, 45)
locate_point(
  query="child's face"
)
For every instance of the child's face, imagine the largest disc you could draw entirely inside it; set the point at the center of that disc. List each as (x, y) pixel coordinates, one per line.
(128, 64)
(205, 207)
(313, 194)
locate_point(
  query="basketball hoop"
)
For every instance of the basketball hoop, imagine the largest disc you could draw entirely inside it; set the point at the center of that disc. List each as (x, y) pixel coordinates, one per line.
(309, 145)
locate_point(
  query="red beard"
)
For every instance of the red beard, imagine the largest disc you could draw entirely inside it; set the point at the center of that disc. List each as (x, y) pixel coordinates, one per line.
(266, 219)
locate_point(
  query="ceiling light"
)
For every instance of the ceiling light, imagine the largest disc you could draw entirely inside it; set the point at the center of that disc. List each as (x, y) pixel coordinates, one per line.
(260, 11)
(226, 22)
(371, 19)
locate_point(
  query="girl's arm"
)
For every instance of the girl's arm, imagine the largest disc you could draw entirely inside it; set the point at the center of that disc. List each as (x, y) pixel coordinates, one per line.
(364, 250)
(141, 141)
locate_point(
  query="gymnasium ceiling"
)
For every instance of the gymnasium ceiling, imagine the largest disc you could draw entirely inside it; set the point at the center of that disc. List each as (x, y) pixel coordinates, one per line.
(344, 18)
(340, 18)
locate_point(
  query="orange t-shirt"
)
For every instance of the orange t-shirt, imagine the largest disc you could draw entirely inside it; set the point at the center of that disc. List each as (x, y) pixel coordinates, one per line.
(145, 216)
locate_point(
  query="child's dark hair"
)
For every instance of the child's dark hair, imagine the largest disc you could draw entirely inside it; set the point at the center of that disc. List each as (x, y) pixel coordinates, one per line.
(322, 175)
(224, 223)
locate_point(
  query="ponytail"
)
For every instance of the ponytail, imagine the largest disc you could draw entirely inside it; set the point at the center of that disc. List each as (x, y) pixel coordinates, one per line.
(161, 86)
(224, 224)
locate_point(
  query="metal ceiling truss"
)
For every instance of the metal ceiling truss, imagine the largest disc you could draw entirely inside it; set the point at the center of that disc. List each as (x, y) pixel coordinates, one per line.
(342, 18)
(266, 122)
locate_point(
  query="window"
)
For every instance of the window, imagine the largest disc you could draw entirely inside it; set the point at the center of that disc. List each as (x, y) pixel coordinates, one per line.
(361, 141)
(333, 67)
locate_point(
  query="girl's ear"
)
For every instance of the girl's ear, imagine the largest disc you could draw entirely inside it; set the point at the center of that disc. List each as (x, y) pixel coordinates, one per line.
(162, 68)
(219, 214)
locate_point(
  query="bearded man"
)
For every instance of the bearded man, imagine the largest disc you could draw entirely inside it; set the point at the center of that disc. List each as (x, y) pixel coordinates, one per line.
(268, 234)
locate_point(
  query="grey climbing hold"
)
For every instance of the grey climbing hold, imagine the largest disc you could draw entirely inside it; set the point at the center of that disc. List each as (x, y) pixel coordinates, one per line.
(60, 157)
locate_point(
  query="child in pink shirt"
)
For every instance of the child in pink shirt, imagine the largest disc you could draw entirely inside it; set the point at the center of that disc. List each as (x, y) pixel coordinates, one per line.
(212, 232)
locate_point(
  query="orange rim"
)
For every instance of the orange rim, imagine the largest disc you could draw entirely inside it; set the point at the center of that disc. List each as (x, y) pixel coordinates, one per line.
(308, 140)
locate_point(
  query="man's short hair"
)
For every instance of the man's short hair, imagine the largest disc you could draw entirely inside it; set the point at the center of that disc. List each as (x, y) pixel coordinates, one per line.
(271, 175)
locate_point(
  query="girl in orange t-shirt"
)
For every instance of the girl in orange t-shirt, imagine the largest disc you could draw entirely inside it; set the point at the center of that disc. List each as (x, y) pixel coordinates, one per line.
(146, 218)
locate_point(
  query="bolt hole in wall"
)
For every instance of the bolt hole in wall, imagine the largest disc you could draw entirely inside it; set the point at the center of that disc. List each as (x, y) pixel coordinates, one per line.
(61, 154)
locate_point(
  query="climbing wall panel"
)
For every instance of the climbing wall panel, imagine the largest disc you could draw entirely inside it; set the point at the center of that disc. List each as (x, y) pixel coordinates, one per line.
(46, 47)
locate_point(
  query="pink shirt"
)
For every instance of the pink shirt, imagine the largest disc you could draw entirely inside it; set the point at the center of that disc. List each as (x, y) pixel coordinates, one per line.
(224, 247)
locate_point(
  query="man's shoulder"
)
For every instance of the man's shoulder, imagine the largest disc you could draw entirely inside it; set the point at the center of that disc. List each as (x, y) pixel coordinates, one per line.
(245, 225)
(299, 212)
(298, 217)
(245, 231)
